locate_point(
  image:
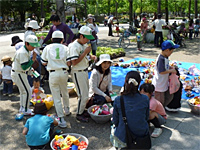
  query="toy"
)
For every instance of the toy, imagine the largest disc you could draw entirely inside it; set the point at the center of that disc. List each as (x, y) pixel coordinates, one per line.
(19, 116)
(121, 60)
(116, 65)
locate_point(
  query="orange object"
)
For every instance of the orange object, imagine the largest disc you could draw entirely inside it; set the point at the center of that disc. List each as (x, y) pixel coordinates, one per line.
(35, 90)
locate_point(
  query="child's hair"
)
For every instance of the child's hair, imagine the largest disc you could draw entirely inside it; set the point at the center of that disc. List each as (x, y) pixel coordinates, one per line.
(6, 62)
(117, 23)
(132, 82)
(98, 68)
(36, 80)
(57, 40)
(147, 87)
(29, 28)
(79, 34)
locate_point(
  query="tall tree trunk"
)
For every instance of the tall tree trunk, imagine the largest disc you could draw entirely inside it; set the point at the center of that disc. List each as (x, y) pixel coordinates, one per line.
(108, 7)
(166, 10)
(130, 12)
(22, 16)
(189, 9)
(140, 10)
(116, 7)
(85, 3)
(60, 10)
(195, 8)
(159, 6)
(42, 9)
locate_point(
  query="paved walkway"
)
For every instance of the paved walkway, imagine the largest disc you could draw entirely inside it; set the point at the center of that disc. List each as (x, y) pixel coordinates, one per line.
(180, 132)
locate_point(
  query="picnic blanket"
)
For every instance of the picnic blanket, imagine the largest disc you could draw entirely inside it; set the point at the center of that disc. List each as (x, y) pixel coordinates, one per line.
(119, 73)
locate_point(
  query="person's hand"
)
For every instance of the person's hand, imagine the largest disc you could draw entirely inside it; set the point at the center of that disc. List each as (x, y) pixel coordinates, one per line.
(65, 44)
(173, 71)
(88, 49)
(108, 99)
(42, 37)
(34, 56)
(93, 57)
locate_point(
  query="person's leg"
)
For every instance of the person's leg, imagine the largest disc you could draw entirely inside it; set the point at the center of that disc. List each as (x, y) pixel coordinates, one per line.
(99, 99)
(161, 38)
(54, 79)
(5, 87)
(156, 38)
(160, 96)
(10, 87)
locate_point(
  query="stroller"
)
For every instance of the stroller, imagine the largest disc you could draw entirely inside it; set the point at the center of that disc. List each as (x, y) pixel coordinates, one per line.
(179, 38)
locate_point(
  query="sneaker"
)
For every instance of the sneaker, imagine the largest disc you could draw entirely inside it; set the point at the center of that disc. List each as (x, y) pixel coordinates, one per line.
(62, 123)
(82, 118)
(21, 109)
(67, 111)
(29, 112)
(172, 109)
(156, 133)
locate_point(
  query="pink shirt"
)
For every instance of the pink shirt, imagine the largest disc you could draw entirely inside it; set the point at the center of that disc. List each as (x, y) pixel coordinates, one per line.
(156, 106)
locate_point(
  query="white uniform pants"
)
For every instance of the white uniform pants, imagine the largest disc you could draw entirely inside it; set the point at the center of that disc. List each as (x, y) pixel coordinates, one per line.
(21, 81)
(81, 82)
(58, 85)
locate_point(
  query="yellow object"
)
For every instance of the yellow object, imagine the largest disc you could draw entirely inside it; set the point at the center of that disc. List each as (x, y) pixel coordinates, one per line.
(48, 104)
(73, 140)
(89, 44)
(57, 137)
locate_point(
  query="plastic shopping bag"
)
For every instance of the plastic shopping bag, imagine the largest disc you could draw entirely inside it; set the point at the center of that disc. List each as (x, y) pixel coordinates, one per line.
(174, 83)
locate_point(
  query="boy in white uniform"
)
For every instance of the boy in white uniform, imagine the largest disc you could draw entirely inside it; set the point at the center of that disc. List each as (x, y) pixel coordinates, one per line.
(78, 57)
(21, 65)
(54, 56)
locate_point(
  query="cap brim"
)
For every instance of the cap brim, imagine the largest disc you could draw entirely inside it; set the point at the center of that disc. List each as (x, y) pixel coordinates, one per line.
(35, 44)
(176, 46)
(89, 37)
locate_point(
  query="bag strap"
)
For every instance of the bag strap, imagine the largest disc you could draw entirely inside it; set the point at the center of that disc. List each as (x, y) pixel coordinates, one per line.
(124, 115)
(101, 81)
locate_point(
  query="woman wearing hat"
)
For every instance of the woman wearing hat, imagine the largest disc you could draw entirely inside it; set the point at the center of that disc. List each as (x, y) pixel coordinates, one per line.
(100, 83)
(38, 129)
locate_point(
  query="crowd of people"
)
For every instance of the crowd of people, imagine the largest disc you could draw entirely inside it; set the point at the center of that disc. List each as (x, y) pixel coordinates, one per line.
(143, 103)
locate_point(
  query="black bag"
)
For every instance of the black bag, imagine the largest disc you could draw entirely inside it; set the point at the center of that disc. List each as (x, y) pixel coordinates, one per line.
(132, 141)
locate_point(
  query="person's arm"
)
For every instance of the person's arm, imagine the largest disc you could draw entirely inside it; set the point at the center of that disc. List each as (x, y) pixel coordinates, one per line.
(55, 122)
(110, 82)
(71, 34)
(168, 71)
(76, 61)
(48, 35)
(44, 60)
(25, 131)
(29, 63)
(115, 112)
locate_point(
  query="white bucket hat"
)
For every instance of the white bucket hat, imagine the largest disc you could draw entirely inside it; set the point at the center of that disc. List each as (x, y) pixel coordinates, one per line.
(57, 34)
(102, 58)
(33, 24)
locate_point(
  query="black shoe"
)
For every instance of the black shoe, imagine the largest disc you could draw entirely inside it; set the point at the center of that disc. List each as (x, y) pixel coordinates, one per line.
(82, 118)
(86, 114)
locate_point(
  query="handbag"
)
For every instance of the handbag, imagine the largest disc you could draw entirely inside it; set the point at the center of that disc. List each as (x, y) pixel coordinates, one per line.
(132, 141)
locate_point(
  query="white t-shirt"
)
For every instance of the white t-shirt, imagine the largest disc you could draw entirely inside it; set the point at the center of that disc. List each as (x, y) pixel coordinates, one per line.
(75, 50)
(161, 81)
(55, 55)
(6, 72)
(158, 23)
(110, 19)
(21, 56)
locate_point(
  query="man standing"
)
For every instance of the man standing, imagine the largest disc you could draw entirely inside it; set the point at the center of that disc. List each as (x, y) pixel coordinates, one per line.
(110, 23)
(57, 25)
(158, 31)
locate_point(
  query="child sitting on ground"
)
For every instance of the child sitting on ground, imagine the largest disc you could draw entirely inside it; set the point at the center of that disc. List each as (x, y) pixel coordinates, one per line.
(38, 129)
(139, 39)
(6, 75)
(157, 115)
(36, 87)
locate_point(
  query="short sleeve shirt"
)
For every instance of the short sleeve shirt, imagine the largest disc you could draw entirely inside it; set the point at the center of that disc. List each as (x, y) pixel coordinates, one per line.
(161, 81)
(21, 56)
(158, 23)
(75, 50)
(38, 130)
(55, 55)
(156, 106)
(6, 72)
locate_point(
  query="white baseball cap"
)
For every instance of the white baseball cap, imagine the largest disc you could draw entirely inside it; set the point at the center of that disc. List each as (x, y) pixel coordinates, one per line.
(57, 34)
(33, 24)
(87, 32)
(102, 58)
(32, 40)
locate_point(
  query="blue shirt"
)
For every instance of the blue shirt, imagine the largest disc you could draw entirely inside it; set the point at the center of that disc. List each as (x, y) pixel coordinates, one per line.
(38, 130)
(137, 114)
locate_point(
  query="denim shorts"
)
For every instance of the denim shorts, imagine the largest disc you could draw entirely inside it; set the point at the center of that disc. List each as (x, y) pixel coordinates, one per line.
(161, 119)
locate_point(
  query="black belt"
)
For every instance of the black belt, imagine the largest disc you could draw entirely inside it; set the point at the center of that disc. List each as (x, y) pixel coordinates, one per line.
(20, 71)
(86, 69)
(55, 70)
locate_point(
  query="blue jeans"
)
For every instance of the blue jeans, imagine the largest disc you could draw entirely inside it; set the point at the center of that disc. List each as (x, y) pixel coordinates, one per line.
(8, 87)
(100, 100)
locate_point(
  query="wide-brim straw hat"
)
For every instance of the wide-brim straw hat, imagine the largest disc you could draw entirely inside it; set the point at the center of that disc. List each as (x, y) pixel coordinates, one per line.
(102, 58)
(6, 58)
